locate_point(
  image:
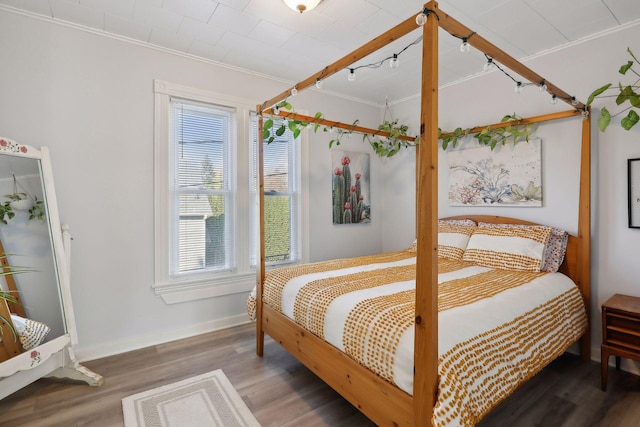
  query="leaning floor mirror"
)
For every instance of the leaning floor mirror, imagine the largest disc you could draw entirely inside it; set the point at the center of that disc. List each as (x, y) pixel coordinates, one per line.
(37, 325)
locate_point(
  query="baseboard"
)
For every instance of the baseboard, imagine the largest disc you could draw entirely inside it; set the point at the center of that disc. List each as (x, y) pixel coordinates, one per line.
(84, 354)
(627, 365)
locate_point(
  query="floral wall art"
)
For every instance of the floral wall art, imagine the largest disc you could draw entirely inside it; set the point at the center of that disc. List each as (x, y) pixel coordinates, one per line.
(350, 187)
(510, 175)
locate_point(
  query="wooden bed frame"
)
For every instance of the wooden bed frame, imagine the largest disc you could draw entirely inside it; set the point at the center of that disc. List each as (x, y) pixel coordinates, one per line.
(382, 402)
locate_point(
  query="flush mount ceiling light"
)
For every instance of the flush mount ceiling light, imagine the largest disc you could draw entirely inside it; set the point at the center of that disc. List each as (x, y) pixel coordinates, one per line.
(302, 5)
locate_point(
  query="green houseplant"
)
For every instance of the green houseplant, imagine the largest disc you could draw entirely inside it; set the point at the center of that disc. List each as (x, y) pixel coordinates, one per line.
(20, 201)
(626, 95)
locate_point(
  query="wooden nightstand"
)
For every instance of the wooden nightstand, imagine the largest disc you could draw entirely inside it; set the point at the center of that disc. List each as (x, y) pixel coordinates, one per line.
(620, 331)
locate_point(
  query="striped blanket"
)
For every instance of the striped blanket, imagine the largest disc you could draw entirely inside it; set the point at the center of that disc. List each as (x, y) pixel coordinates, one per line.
(497, 328)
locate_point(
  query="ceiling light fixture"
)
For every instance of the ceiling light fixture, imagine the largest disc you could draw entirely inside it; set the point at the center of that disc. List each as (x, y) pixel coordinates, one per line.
(302, 5)
(352, 75)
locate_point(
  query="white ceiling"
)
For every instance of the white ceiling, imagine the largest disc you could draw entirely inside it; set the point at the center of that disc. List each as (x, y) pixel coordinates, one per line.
(267, 37)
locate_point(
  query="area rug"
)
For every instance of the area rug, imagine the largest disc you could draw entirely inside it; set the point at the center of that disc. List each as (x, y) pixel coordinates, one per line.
(205, 400)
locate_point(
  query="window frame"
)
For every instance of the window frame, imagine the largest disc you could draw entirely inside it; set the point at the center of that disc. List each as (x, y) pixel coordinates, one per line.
(295, 195)
(243, 277)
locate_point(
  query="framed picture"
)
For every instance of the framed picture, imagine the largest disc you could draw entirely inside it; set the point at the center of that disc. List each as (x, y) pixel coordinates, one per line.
(350, 192)
(633, 174)
(510, 175)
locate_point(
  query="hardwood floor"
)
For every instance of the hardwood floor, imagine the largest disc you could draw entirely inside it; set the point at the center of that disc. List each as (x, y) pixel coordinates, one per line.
(281, 392)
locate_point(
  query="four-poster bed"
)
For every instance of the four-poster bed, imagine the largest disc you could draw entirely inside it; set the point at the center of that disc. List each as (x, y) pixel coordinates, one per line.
(379, 399)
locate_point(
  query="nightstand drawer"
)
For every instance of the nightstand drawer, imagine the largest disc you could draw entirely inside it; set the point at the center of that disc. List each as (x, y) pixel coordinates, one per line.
(623, 339)
(622, 323)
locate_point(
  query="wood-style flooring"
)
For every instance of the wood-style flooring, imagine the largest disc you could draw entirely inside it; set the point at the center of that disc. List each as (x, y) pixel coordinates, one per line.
(281, 392)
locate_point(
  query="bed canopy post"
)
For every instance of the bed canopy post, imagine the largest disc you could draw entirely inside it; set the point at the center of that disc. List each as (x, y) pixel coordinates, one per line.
(261, 264)
(584, 230)
(426, 309)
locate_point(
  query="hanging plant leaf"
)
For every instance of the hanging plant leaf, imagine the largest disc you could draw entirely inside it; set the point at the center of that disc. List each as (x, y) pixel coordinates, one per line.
(597, 92)
(296, 133)
(630, 121)
(281, 130)
(604, 119)
(626, 67)
(268, 124)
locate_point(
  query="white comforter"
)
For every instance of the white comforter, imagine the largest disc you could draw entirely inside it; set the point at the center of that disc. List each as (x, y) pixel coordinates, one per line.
(488, 344)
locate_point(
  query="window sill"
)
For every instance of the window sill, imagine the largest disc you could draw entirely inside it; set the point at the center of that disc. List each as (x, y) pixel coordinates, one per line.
(177, 292)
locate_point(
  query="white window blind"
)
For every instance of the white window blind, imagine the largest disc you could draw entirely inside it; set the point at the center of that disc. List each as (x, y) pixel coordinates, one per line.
(201, 189)
(281, 197)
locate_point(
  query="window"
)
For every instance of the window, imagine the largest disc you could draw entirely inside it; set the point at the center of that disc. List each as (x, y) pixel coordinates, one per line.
(201, 188)
(205, 195)
(281, 196)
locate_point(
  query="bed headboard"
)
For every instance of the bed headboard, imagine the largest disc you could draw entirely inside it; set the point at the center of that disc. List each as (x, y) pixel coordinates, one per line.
(570, 263)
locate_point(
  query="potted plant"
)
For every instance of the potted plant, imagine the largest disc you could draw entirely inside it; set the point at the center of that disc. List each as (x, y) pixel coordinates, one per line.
(20, 201)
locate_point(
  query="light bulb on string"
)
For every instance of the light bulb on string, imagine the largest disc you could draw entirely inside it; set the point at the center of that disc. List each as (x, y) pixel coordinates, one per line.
(352, 75)
(543, 86)
(394, 61)
(518, 88)
(465, 46)
(585, 113)
(574, 101)
(554, 99)
(489, 65)
(421, 18)
(276, 110)
(294, 91)
(319, 83)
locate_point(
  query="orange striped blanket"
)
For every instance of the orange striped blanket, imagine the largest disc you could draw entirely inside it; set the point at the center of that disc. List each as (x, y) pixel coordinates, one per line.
(497, 328)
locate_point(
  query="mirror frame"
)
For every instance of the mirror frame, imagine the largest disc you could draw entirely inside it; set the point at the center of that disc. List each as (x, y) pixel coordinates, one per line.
(53, 358)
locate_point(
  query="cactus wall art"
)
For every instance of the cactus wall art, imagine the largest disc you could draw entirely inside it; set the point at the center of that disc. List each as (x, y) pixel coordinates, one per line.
(509, 175)
(350, 192)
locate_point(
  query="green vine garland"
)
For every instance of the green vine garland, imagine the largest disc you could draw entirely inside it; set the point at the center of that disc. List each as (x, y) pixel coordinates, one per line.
(514, 132)
(383, 146)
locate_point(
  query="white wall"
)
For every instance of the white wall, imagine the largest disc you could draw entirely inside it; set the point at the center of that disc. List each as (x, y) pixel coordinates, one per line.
(89, 98)
(578, 70)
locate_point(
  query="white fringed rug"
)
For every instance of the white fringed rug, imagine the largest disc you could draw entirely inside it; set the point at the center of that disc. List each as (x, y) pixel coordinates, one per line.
(206, 400)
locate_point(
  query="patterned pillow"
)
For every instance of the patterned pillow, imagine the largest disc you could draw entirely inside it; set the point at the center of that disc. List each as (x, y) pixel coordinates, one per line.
(453, 239)
(461, 222)
(467, 221)
(508, 248)
(554, 251)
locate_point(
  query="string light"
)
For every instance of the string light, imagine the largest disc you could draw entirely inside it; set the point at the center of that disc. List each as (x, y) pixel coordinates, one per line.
(465, 46)
(518, 88)
(543, 86)
(421, 18)
(276, 110)
(488, 66)
(319, 83)
(294, 91)
(585, 113)
(394, 61)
